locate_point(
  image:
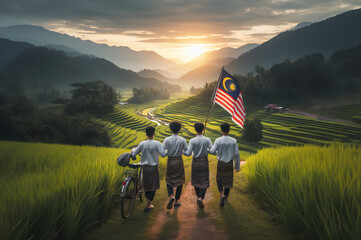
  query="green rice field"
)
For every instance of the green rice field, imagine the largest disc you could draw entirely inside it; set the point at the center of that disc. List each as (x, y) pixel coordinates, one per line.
(314, 190)
(52, 191)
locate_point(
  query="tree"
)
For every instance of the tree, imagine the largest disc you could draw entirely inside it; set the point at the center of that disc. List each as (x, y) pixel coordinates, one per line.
(22, 121)
(252, 131)
(92, 97)
(141, 95)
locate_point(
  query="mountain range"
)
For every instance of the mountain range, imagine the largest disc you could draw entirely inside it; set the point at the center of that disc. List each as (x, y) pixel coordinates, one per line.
(37, 68)
(123, 57)
(67, 62)
(210, 56)
(325, 37)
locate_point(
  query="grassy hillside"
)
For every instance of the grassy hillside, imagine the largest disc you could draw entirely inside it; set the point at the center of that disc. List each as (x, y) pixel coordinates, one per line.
(315, 190)
(52, 191)
(342, 112)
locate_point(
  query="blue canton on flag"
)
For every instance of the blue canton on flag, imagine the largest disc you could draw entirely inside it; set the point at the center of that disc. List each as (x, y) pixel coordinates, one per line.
(228, 95)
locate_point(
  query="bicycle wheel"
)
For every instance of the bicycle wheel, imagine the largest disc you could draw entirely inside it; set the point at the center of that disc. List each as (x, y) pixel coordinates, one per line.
(127, 199)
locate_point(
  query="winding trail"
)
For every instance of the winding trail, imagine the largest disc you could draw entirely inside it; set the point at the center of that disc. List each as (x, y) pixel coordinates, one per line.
(188, 221)
(151, 117)
(320, 117)
(241, 218)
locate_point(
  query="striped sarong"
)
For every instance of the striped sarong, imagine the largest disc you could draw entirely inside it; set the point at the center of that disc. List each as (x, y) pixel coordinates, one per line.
(200, 172)
(225, 173)
(175, 176)
(150, 178)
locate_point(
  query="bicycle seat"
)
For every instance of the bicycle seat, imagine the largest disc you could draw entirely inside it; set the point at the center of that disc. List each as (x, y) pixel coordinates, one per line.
(134, 165)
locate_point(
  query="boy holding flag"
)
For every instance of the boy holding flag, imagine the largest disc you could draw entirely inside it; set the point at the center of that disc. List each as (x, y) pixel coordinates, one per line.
(226, 149)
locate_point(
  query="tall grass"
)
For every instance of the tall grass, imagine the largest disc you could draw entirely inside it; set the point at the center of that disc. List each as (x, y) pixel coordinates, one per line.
(316, 190)
(51, 191)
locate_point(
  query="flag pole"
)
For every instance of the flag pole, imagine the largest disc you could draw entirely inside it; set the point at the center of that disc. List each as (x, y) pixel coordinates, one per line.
(210, 109)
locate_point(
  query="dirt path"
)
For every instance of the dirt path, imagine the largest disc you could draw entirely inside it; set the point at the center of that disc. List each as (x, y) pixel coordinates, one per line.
(241, 218)
(320, 117)
(151, 117)
(187, 221)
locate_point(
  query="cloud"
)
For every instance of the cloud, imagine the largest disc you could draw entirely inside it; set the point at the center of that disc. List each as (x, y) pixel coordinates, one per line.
(169, 18)
(163, 25)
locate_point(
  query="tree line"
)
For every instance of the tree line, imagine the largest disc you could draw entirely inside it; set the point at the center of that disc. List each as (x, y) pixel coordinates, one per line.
(20, 120)
(307, 77)
(142, 95)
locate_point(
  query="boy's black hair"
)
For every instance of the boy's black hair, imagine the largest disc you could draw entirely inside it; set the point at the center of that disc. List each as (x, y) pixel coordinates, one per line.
(150, 130)
(175, 126)
(225, 127)
(199, 127)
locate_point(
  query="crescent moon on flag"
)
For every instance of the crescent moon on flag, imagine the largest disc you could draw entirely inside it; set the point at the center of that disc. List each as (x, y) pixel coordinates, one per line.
(224, 82)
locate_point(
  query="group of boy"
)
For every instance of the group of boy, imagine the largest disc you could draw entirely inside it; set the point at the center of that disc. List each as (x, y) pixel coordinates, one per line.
(175, 147)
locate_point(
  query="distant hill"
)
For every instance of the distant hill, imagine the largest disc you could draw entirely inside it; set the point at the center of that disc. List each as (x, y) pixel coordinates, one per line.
(301, 25)
(123, 57)
(39, 67)
(206, 73)
(67, 50)
(220, 62)
(10, 49)
(199, 76)
(325, 37)
(207, 57)
(154, 74)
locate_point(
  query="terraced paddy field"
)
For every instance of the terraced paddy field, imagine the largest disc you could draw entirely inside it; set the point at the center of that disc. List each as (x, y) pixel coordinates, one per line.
(127, 123)
(127, 130)
(279, 128)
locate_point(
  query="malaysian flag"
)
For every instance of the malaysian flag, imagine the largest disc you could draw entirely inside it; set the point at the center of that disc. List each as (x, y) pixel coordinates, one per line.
(228, 95)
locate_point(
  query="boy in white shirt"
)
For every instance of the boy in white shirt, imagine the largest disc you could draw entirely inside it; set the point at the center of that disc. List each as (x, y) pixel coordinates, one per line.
(226, 149)
(199, 147)
(150, 150)
(175, 177)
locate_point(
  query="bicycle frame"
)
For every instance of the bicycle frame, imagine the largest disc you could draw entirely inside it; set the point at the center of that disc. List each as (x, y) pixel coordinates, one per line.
(138, 180)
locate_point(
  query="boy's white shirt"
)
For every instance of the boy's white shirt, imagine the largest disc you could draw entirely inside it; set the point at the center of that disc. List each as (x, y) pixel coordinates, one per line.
(150, 150)
(226, 149)
(175, 145)
(199, 146)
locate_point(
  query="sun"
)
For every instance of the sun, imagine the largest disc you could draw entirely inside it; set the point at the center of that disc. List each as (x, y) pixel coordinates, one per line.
(194, 51)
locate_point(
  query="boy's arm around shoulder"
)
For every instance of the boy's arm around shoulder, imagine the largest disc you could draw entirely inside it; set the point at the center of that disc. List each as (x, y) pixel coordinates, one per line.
(161, 151)
(188, 152)
(214, 148)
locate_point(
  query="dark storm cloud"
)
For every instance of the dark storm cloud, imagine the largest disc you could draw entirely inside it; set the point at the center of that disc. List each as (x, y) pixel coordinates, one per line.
(167, 19)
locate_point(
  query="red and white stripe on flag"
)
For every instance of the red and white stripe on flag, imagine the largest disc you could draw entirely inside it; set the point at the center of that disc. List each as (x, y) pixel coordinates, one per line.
(233, 107)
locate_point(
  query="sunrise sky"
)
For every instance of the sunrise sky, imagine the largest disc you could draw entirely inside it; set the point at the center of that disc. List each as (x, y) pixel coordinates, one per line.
(178, 30)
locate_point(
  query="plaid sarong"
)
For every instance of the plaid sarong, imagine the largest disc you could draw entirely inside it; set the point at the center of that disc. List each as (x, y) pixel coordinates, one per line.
(150, 178)
(200, 172)
(175, 172)
(225, 173)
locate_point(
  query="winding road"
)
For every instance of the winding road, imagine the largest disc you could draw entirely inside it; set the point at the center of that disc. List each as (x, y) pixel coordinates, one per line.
(151, 117)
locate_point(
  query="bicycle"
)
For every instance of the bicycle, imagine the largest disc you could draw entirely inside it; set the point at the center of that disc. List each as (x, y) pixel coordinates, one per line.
(132, 188)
